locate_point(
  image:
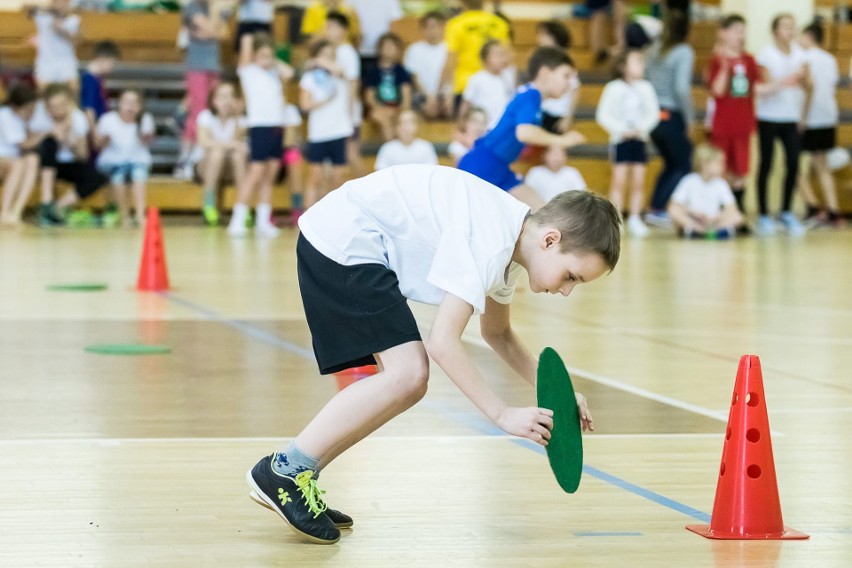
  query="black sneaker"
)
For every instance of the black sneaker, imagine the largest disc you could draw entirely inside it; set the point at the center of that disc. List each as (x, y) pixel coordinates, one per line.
(48, 216)
(296, 500)
(340, 520)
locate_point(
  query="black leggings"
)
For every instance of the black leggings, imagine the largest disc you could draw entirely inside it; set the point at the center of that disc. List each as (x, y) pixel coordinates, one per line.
(676, 150)
(788, 133)
(86, 179)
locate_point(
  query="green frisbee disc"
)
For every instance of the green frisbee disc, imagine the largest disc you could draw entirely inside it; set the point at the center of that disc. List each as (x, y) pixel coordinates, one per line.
(128, 349)
(78, 287)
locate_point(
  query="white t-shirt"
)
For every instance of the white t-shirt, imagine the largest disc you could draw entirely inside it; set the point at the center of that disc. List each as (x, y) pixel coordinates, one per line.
(292, 116)
(441, 230)
(489, 92)
(264, 95)
(457, 150)
(548, 184)
(562, 106)
(785, 105)
(220, 130)
(426, 61)
(395, 153)
(42, 122)
(347, 57)
(56, 60)
(125, 143)
(256, 11)
(331, 120)
(705, 197)
(375, 18)
(13, 132)
(825, 75)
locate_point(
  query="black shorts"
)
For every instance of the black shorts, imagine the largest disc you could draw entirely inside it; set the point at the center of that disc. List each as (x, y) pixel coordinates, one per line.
(333, 151)
(595, 5)
(819, 139)
(352, 311)
(630, 152)
(549, 122)
(266, 143)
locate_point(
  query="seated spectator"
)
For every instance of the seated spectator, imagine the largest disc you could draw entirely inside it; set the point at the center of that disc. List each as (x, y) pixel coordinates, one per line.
(489, 88)
(64, 154)
(221, 143)
(406, 148)
(123, 137)
(93, 97)
(471, 126)
(388, 87)
(18, 162)
(703, 205)
(554, 175)
(425, 59)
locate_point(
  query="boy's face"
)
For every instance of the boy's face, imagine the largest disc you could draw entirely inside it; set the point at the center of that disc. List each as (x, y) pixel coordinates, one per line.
(389, 51)
(634, 67)
(265, 57)
(544, 39)
(498, 58)
(433, 30)
(734, 36)
(58, 107)
(555, 272)
(406, 128)
(334, 32)
(786, 30)
(476, 125)
(556, 82)
(554, 158)
(106, 65)
(714, 168)
(806, 40)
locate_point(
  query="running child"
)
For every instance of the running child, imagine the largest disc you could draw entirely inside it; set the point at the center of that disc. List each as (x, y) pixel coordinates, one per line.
(493, 154)
(261, 76)
(434, 235)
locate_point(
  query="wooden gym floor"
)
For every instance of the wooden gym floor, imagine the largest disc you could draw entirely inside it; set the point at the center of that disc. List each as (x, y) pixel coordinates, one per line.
(139, 461)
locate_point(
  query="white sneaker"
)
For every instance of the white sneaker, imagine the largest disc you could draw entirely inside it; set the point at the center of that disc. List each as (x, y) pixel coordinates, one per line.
(792, 224)
(237, 230)
(266, 231)
(636, 228)
(766, 226)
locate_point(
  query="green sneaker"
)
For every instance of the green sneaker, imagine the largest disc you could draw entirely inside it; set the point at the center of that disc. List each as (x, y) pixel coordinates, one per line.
(48, 216)
(81, 218)
(249, 220)
(211, 215)
(110, 219)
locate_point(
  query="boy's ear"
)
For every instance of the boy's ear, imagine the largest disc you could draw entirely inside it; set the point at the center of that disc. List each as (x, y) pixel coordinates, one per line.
(551, 238)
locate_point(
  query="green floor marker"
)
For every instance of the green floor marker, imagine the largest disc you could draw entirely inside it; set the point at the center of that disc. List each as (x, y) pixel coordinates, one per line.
(129, 349)
(78, 287)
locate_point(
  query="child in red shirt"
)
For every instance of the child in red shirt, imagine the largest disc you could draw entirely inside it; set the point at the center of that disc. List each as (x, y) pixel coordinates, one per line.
(731, 79)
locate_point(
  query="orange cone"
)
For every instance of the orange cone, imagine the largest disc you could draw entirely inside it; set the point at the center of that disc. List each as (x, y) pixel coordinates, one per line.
(747, 506)
(353, 375)
(153, 274)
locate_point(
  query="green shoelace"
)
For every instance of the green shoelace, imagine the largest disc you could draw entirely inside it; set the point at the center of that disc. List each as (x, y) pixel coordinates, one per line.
(311, 493)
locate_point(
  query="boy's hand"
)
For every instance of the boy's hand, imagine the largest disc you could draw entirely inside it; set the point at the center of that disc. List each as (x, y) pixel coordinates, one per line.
(531, 423)
(585, 416)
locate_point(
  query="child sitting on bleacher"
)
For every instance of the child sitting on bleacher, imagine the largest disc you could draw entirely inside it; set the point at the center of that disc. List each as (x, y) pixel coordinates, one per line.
(407, 148)
(261, 76)
(93, 97)
(703, 205)
(489, 88)
(472, 125)
(425, 60)
(324, 95)
(558, 114)
(221, 143)
(388, 85)
(554, 175)
(629, 111)
(57, 32)
(18, 163)
(123, 137)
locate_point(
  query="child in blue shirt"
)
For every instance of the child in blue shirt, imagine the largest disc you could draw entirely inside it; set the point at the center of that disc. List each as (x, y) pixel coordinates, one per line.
(491, 157)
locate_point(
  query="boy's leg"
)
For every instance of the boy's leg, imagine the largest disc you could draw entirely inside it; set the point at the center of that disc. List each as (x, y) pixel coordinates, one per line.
(314, 186)
(214, 159)
(804, 182)
(819, 162)
(139, 176)
(28, 181)
(263, 219)
(14, 170)
(617, 185)
(637, 188)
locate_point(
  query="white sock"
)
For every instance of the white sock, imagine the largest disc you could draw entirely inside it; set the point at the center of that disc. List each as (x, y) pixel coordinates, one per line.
(264, 214)
(239, 215)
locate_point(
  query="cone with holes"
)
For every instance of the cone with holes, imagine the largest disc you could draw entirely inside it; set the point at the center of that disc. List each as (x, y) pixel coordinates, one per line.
(153, 274)
(353, 375)
(747, 506)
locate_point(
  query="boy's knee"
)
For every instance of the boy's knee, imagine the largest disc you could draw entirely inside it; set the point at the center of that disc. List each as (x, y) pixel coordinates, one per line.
(413, 380)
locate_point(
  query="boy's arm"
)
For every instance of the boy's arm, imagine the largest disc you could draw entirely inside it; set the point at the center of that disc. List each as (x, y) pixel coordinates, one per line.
(720, 73)
(445, 347)
(538, 136)
(246, 50)
(370, 97)
(496, 329)
(406, 96)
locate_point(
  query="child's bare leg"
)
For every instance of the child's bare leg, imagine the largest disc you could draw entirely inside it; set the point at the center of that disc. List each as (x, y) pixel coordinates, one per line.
(363, 407)
(527, 195)
(11, 188)
(617, 185)
(338, 177)
(48, 181)
(804, 182)
(28, 181)
(729, 218)
(119, 191)
(637, 188)
(239, 159)
(353, 157)
(139, 201)
(250, 182)
(597, 31)
(267, 182)
(826, 180)
(314, 185)
(214, 160)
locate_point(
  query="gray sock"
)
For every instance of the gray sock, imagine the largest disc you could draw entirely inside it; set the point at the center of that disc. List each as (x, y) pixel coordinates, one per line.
(293, 461)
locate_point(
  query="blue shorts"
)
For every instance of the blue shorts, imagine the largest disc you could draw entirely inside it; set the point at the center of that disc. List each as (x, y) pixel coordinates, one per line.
(630, 152)
(119, 174)
(485, 165)
(333, 151)
(266, 143)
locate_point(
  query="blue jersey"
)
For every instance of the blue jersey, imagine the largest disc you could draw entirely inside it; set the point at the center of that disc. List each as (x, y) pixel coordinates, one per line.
(524, 108)
(93, 94)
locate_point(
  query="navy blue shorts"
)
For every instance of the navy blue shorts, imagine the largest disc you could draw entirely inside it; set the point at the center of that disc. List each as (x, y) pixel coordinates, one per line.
(595, 5)
(333, 151)
(266, 143)
(485, 165)
(630, 152)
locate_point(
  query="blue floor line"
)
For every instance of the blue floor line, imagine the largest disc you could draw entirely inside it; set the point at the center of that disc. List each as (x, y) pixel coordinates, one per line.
(464, 418)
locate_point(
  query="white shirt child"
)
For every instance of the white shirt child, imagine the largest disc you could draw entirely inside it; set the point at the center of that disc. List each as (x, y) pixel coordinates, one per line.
(349, 61)
(626, 107)
(426, 62)
(457, 150)
(704, 197)
(548, 184)
(441, 230)
(784, 105)
(125, 144)
(13, 133)
(41, 121)
(333, 119)
(222, 131)
(825, 75)
(395, 153)
(375, 18)
(56, 60)
(489, 92)
(264, 95)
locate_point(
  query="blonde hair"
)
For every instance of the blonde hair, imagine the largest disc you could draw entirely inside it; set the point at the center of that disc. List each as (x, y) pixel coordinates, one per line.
(704, 154)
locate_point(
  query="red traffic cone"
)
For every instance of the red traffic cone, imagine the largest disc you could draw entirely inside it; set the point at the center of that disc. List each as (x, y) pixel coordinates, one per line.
(353, 375)
(153, 274)
(747, 506)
